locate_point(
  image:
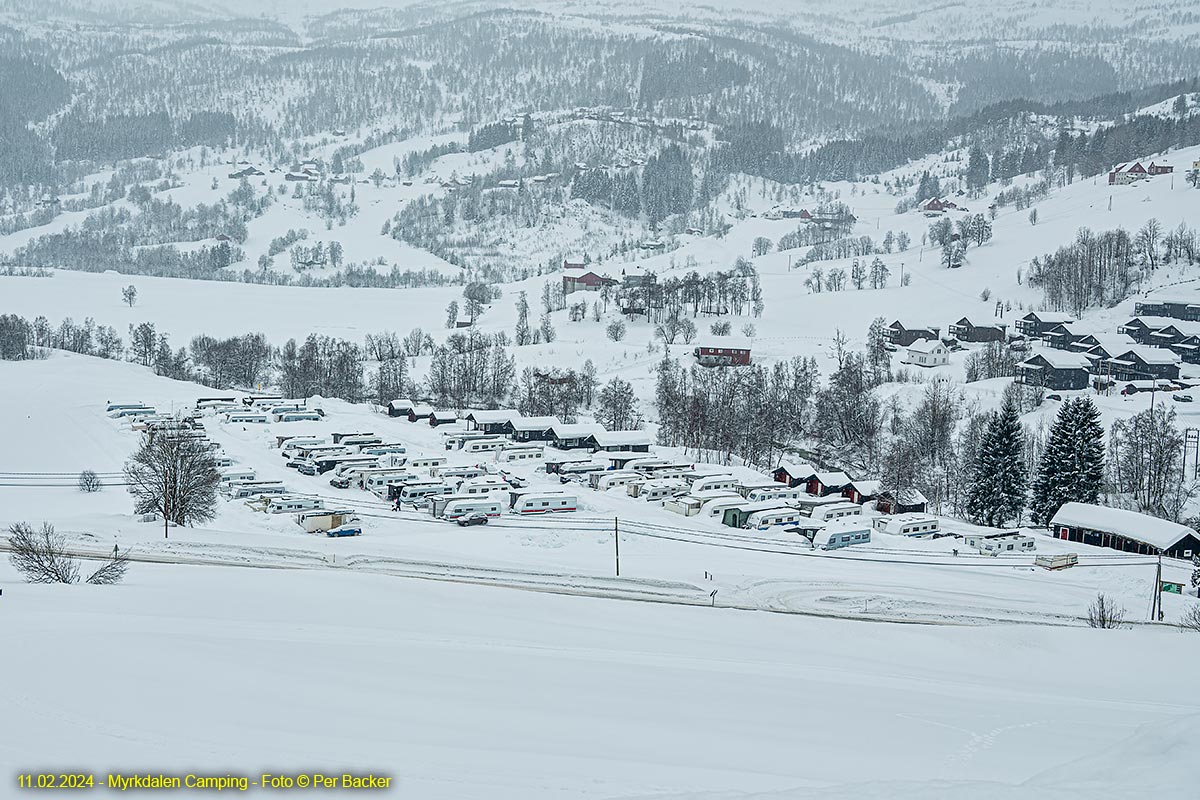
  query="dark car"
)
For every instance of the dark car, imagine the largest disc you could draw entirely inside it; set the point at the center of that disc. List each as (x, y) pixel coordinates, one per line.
(340, 483)
(1181, 398)
(477, 518)
(350, 529)
(1054, 397)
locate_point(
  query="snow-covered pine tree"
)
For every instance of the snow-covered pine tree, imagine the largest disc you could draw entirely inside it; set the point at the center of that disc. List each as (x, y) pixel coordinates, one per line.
(1196, 573)
(1072, 466)
(998, 483)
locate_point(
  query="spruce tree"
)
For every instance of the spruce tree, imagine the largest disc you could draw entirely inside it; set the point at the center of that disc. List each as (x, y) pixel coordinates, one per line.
(1072, 465)
(998, 483)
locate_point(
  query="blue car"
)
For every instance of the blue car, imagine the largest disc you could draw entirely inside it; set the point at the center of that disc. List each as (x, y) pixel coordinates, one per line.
(351, 529)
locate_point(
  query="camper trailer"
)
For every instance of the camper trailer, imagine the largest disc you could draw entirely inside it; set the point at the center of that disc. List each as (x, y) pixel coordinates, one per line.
(611, 479)
(487, 485)
(419, 490)
(229, 476)
(776, 492)
(284, 504)
(425, 462)
(247, 418)
(248, 489)
(772, 517)
(544, 503)
(832, 511)
(462, 473)
(714, 482)
(372, 478)
(322, 520)
(488, 445)
(656, 491)
(457, 507)
(297, 416)
(689, 505)
(918, 525)
(842, 533)
(520, 453)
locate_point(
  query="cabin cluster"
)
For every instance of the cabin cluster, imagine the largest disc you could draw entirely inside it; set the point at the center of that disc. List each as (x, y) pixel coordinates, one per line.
(1144, 354)
(922, 345)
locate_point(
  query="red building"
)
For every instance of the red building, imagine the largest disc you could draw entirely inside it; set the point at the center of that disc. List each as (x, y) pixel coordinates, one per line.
(722, 354)
(585, 281)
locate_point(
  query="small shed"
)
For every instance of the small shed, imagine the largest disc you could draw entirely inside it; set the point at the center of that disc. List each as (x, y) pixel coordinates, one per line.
(437, 418)
(901, 501)
(793, 473)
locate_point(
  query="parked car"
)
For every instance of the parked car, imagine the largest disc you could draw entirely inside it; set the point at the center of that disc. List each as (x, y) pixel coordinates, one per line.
(340, 483)
(1181, 398)
(305, 468)
(295, 463)
(349, 529)
(478, 518)
(1054, 397)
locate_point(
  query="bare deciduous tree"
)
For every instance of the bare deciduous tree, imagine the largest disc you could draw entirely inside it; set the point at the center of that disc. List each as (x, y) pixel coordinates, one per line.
(1104, 613)
(175, 478)
(41, 556)
(112, 572)
(1191, 619)
(89, 482)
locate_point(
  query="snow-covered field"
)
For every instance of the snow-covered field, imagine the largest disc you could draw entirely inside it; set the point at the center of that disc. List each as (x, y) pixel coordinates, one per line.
(467, 692)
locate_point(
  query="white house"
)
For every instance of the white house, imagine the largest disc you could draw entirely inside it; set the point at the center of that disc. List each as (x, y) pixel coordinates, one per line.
(927, 353)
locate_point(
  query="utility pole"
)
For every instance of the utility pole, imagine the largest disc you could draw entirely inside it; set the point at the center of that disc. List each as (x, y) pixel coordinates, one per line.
(1156, 612)
(617, 544)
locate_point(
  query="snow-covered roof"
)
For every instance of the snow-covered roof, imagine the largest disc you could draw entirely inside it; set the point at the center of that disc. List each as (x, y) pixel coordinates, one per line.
(492, 417)
(841, 526)
(534, 423)
(1059, 359)
(927, 346)
(726, 342)
(1153, 531)
(833, 478)
(1112, 342)
(1052, 316)
(907, 497)
(866, 487)
(798, 470)
(621, 438)
(1152, 355)
(1157, 323)
(422, 411)
(578, 430)
(401, 403)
